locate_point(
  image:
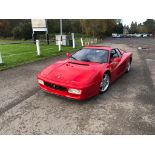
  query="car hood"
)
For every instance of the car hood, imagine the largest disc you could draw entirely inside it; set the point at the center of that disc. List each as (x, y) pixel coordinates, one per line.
(71, 72)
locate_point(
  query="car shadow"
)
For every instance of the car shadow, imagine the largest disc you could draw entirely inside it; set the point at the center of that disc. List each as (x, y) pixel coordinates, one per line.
(95, 99)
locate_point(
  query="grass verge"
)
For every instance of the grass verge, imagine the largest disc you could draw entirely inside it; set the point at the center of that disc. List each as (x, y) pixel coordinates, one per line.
(18, 54)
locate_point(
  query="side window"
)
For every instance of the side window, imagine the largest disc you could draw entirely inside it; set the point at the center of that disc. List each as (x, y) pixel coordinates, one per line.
(113, 54)
(118, 51)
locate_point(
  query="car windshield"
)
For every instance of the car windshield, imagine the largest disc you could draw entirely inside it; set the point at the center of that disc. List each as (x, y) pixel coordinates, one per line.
(91, 55)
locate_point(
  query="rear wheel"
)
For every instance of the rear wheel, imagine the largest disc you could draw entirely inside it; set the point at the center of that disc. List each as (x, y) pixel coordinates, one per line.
(128, 67)
(105, 82)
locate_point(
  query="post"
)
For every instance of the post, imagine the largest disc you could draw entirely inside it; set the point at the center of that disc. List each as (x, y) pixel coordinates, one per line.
(73, 40)
(34, 37)
(73, 43)
(38, 47)
(61, 30)
(1, 61)
(81, 42)
(59, 45)
(61, 27)
(47, 38)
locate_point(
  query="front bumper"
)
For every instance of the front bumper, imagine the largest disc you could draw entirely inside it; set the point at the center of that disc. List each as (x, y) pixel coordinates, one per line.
(86, 92)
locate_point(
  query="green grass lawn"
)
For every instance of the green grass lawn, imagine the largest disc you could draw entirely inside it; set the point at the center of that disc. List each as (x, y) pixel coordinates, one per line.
(17, 54)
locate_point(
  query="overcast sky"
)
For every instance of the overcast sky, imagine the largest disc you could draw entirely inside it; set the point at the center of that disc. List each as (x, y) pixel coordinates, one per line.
(128, 21)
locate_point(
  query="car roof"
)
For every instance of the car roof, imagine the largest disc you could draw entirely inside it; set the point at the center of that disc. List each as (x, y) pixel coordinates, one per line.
(99, 47)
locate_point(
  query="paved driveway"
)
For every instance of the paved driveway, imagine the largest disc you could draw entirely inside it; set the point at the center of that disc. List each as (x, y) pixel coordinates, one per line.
(127, 108)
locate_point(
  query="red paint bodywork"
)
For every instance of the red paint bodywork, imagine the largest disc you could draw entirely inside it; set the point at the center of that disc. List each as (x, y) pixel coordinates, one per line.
(85, 76)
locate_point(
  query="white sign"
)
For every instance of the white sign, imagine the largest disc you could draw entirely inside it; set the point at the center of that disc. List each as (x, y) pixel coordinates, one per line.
(63, 41)
(36, 23)
(39, 24)
(39, 29)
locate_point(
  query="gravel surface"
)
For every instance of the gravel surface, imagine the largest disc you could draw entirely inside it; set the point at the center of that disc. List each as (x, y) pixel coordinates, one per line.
(128, 107)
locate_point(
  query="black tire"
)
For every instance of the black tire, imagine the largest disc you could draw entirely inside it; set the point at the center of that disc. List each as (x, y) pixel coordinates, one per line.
(128, 67)
(105, 83)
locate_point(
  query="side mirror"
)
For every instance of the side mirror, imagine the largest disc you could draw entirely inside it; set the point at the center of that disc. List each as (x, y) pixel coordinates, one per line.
(117, 59)
(68, 55)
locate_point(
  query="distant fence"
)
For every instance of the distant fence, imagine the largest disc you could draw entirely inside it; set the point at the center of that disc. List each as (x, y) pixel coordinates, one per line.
(77, 42)
(10, 49)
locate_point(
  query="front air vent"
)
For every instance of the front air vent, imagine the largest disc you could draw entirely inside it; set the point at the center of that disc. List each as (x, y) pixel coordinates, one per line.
(54, 86)
(79, 63)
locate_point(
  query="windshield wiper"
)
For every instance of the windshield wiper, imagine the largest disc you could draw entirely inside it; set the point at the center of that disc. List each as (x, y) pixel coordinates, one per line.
(73, 58)
(86, 60)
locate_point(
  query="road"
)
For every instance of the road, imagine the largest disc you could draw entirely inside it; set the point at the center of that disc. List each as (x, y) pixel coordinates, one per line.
(128, 107)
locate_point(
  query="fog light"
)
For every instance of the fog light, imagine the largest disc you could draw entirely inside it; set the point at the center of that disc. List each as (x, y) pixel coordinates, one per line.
(74, 91)
(40, 82)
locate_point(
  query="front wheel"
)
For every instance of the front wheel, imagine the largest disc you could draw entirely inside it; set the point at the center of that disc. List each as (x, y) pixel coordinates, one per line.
(105, 82)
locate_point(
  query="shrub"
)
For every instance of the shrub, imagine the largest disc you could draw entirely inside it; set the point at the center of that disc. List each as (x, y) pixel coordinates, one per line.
(22, 31)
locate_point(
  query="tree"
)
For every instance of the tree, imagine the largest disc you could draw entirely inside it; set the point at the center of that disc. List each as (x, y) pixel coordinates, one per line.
(149, 25)
(119, 28)
(133, 27)
(98, 27)
(53, 25)
(141, 28)
(23, 30)
(75, 25)
(4, 28)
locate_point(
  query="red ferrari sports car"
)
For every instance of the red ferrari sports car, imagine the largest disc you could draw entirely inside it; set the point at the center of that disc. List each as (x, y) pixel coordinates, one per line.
(86, 73)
